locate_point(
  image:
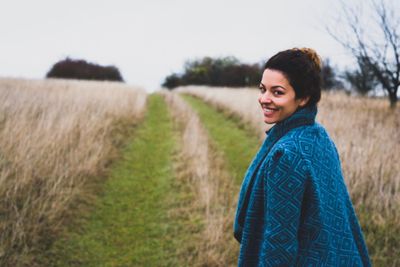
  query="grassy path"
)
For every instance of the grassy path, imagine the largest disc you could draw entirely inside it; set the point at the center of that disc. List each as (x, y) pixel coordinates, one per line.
(238, 145)
(130, 225)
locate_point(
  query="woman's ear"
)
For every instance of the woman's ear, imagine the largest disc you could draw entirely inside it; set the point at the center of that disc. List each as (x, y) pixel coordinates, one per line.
(304, 101)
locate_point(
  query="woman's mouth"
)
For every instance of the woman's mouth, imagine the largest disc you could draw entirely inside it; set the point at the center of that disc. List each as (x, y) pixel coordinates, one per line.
(269, 111)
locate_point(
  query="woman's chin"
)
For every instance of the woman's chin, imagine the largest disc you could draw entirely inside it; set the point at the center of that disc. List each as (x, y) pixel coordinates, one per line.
(269, 122)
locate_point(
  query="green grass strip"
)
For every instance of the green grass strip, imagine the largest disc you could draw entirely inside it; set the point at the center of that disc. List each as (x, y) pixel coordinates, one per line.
(238, 144)
(130, 225)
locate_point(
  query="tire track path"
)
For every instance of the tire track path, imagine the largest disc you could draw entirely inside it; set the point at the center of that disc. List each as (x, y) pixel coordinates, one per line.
(130, 225)
(238, 144)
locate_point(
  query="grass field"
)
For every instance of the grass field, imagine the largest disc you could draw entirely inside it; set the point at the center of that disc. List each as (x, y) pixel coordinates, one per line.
(56, 140)
(101, 174)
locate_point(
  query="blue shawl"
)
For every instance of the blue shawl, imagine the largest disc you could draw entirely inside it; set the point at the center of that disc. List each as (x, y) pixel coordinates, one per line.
(294, 208)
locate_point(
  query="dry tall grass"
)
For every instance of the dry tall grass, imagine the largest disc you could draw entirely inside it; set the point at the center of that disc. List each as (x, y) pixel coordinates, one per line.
(54, 136)
(367, 135)
(201, 167)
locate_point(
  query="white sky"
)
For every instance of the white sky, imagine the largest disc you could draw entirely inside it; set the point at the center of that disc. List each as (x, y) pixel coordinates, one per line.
(149, 39)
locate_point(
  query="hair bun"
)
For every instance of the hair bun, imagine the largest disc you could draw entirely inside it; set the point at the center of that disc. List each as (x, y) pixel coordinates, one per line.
(313, 56)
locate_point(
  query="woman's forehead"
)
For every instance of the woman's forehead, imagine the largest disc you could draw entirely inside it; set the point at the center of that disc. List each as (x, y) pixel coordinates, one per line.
(271, 76)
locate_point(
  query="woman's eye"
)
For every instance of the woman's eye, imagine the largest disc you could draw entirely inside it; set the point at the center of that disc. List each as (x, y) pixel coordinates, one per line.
(278, 93)
(262, 89)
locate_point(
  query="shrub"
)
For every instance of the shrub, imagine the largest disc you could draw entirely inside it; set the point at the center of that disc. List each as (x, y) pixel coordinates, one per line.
(82, 70)
(362, 79)
(329, 78)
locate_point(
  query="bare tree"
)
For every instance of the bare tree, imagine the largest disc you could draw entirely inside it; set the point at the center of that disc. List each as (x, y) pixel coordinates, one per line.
(373, 41)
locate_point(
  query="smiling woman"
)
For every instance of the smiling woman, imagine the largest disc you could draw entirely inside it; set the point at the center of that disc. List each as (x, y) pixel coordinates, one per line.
(294, 208)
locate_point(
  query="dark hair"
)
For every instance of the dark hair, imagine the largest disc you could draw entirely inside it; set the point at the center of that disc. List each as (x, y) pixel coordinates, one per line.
(302, 68)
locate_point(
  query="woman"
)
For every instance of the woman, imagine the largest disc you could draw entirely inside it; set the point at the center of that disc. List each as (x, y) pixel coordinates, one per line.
(294, 208)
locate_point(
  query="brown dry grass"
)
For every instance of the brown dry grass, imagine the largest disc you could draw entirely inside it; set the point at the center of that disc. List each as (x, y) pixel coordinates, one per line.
(55, 135)
(367, 135)
(202, 168)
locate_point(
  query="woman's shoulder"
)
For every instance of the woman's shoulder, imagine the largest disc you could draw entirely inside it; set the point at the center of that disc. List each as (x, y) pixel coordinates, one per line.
(303, 140)
(307, 133)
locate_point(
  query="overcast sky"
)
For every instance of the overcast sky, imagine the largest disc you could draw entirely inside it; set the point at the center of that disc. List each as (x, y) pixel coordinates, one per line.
(149, 39)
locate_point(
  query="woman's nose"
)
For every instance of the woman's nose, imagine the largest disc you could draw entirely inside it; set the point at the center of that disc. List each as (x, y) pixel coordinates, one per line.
(265, 97)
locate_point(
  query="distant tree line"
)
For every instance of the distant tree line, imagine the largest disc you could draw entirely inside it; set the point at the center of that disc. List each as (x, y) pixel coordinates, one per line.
(225, 71)
(230, 72)
(83, 70)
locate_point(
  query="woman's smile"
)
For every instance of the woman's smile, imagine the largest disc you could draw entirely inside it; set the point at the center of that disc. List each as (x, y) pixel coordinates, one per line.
(269, 111)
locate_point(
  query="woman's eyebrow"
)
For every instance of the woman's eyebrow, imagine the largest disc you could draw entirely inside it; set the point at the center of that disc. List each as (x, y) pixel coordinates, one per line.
(273, 87)
(277, 86)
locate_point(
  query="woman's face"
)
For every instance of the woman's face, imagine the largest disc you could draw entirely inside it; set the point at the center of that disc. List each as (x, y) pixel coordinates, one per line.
(277, 97)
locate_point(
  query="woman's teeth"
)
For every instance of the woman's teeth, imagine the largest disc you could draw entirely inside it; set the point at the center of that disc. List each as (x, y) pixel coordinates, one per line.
(269, 109)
